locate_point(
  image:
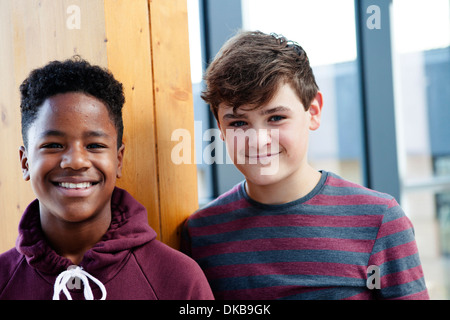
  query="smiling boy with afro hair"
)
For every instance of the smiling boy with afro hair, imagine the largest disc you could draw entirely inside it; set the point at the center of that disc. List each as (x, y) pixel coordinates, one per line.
(84, 238)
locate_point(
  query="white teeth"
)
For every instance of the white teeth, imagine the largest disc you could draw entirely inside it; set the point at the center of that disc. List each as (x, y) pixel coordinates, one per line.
(68, 185)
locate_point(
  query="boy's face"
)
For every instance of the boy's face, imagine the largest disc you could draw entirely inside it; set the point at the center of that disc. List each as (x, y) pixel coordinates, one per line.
(72, 158)
(270, 143)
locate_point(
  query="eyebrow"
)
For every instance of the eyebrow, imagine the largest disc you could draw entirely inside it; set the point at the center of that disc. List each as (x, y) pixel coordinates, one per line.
(98, 133)
(233, 116)
(52, 133)
(275, 110)
(57, 133)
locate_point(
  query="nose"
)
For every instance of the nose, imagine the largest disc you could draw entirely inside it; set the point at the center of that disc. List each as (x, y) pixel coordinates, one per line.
(75, 158)
(264, 137)
(259, 138)
(266, 141)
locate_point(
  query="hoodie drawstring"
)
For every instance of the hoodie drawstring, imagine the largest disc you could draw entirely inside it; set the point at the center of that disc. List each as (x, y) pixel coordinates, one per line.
(78, 272)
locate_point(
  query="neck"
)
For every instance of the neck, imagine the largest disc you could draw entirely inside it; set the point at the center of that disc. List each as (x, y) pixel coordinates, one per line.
(72, 239)
(289, 189)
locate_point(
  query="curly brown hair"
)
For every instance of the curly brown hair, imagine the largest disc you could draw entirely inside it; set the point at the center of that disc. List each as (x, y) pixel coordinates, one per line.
(251, 66)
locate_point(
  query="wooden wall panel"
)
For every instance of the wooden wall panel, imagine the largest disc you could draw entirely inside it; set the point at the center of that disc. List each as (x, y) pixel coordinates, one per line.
(173, 110)
(32, 33)
(145, 44)
(129, 59)
(14, 192)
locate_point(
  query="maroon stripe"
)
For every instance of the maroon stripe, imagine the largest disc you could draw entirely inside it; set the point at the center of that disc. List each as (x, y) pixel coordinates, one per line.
(405, 276)
(288, 220)
(346, 200)
(394, 253)
(394, 226)
(220, 209)
(363, 246)
(287, 268)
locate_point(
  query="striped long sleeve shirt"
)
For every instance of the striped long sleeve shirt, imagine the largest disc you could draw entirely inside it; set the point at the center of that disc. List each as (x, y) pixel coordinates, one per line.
(318, 247)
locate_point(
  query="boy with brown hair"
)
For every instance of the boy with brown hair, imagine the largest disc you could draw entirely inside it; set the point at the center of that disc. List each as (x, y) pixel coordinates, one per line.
(289, 231)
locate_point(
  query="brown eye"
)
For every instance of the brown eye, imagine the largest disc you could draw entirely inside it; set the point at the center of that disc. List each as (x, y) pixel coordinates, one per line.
(95, 146)
(276, 118)
(52, 146)
(238, 124)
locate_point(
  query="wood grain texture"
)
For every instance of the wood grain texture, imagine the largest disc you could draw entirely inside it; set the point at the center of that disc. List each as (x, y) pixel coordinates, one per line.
(129, 59)
(173, 110)
(145, 44)
(32, 33)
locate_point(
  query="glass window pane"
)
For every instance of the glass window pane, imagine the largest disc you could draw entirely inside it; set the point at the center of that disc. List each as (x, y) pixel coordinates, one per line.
(201, 110)
(421, 45)
(331, 47)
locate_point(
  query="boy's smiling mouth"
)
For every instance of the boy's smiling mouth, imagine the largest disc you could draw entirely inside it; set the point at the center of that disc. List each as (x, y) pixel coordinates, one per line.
(68, 185)
(75, 187)
(261, 156)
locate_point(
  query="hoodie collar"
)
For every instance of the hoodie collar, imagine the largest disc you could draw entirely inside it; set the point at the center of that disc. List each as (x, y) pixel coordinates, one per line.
(129, 229)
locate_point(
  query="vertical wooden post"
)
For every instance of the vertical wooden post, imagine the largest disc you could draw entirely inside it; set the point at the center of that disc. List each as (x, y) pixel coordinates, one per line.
(173, 110)
(148, 50)
(129, 59)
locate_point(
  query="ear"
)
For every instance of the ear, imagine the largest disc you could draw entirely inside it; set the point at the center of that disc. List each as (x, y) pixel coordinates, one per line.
(315, 111)
(221, 133)
(120, 154)
(24, 163)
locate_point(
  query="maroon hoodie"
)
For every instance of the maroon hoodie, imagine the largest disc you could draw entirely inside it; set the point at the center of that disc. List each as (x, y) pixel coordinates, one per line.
(128, 261)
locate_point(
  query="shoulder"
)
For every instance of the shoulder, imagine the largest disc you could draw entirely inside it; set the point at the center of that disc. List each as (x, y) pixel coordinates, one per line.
(338, 191)
(231, 200)
(172, 274)
(9, 261)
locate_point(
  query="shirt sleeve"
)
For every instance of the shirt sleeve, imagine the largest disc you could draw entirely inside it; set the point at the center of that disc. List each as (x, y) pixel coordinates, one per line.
(395, 253)
(185, 245)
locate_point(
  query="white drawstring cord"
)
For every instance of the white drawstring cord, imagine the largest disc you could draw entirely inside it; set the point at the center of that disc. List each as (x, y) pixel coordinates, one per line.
(65, 276)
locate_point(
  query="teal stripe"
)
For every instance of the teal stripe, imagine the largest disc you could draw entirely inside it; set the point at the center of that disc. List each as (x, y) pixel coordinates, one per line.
(335, 211)
(405, 289)
(252, 282)
(344, 191)
(399, 265)
(328, 294)
(360, 233)
(393, 240)
(344, 257)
